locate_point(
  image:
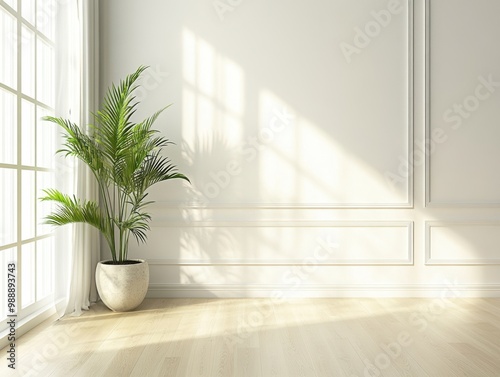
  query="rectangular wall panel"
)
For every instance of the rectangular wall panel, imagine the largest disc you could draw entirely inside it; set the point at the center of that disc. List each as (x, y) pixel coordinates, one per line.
(462, 243)
(347, 243)
(463, 90)
(324, 120)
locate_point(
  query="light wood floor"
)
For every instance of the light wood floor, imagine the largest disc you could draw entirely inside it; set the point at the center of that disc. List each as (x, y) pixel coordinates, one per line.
(259, 337)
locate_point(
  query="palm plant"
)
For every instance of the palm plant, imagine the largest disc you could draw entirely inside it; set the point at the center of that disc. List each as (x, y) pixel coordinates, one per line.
(125, 158)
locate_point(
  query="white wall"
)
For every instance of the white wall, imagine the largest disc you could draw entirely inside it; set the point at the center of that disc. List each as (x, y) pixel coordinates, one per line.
(302, 125)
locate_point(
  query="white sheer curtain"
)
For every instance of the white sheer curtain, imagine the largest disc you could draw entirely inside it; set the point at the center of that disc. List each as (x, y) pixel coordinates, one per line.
(80, 66)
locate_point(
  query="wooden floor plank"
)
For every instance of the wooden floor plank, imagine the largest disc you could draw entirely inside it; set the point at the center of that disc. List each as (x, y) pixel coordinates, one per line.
(273, 362)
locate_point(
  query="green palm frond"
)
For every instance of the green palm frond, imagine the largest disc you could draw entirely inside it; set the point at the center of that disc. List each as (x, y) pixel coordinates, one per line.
(155, 168)
(114, 128)
(125, 158)
(79, 145)
(72, 210)
(138, 224)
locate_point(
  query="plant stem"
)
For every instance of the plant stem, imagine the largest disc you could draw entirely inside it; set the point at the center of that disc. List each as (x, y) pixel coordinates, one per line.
(110, 238)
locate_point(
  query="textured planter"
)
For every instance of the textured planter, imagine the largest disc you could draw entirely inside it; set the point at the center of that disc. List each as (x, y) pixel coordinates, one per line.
(122, 287)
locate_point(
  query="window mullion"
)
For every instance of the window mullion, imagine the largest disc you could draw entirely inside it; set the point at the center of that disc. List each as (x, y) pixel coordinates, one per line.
(8, 8)
(19, 154)
(8, 88)
(35, 94)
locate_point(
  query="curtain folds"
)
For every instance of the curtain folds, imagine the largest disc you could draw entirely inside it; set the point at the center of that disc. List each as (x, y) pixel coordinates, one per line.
(85, 250)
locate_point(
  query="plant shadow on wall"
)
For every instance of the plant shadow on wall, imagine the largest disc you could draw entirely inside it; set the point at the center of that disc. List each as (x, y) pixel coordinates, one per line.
(203, 244)
(205, 150)
(214, 252)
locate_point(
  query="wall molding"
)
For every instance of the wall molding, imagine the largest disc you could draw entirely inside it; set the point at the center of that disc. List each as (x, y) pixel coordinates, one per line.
(443, 204)
(427, 101)
(409, 203)
(428, 198)
(280, 262)
(210, 206)
(326, 290)
(281, 223)
(430, 261)
(408, 225)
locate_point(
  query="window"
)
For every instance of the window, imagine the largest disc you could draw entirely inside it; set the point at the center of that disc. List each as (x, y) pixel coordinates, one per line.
(27, 147)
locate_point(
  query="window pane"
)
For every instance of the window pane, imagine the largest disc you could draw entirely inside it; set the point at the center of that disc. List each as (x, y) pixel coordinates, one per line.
(12, 3)
(28, 11)
(44, 181)
(46, 140)
(8, 49)
(6, 256)
(44, 268)
(28, 132)
(28, 204)
(27, 274)
(45, 73)
(8, 127)
(45, 17)
(28, 62)
(8, 205)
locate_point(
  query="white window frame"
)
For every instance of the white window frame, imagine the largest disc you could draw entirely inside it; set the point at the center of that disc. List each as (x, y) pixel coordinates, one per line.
(40, 305)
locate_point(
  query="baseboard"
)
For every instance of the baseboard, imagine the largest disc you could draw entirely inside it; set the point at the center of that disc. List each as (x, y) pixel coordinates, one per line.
(362, 290)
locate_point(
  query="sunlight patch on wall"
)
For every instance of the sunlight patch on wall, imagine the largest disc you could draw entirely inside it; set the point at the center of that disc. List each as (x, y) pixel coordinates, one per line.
(301, 162)
(189, 56)
(213, 94)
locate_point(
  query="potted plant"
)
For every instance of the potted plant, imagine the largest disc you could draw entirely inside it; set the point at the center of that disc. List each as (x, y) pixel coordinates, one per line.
(125, 159)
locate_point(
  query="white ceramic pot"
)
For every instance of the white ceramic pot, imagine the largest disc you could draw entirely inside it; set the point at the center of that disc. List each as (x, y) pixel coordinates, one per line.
(122, 287)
